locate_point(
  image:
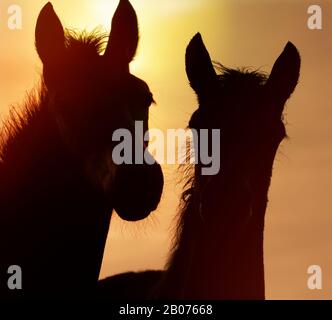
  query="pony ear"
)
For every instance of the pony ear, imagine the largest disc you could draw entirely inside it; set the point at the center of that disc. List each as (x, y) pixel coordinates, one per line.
(199, 67)
(123, 39)
(49, 35)
(284, 75)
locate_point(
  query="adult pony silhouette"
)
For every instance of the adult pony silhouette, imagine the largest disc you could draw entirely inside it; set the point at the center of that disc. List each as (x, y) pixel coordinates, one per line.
(218, 248)
(58, 181)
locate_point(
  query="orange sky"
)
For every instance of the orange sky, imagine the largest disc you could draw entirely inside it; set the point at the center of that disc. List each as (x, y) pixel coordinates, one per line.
(237, 33)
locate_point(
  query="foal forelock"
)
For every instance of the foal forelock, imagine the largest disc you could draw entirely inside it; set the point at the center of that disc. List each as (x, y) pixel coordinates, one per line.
(84, 43)
(234, 77)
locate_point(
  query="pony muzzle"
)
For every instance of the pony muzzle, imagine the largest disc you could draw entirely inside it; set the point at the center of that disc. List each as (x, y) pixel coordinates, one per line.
(137, 190)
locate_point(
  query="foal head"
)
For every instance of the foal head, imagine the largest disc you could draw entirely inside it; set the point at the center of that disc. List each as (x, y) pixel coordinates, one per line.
(246, 106)
(213, 247)
(91, 95)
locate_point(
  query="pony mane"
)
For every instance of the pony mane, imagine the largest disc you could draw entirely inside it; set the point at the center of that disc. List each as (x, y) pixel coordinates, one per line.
(16, 123)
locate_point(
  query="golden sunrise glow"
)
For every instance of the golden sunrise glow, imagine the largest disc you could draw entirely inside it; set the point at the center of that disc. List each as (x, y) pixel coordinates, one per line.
(237, 33)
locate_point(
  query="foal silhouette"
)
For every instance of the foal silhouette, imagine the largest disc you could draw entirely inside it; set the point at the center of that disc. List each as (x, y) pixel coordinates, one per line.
(218, 249)
(58, 182)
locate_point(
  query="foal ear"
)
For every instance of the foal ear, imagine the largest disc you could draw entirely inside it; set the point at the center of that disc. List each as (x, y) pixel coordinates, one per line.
(284, 75)
(50, 36)
(199, 67)
(123, 39)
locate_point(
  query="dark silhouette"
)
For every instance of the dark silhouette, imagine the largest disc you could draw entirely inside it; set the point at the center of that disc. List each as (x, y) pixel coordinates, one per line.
(58, 181)
(218, 249)
(130, 285)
